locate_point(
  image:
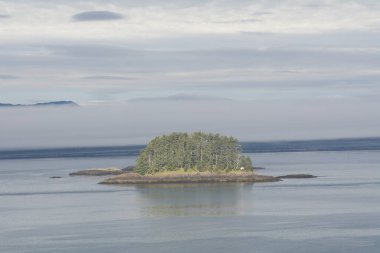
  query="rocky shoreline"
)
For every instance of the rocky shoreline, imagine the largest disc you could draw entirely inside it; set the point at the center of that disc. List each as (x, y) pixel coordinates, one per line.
(204, 177)
(123, 176)
(297, 176)
(98, 172)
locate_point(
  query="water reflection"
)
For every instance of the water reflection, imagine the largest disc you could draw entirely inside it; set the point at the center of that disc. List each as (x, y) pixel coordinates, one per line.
(190, 199)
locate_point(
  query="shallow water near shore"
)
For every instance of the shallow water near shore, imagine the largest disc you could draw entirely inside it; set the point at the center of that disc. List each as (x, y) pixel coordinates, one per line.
(336, 212)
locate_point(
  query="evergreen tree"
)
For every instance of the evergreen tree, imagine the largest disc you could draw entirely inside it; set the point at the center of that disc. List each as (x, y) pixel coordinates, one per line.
(197, 151)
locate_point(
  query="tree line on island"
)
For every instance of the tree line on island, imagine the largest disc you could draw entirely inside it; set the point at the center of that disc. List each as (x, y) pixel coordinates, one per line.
(192, 152)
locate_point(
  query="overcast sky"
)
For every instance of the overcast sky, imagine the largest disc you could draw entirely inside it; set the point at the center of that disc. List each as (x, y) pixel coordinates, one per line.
(258, 69)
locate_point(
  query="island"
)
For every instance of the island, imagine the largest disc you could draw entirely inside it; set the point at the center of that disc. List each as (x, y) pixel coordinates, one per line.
(44, 104)
(191, 158)
(98, 172)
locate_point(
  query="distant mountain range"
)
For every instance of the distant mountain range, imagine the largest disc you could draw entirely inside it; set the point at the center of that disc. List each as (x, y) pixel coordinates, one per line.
(53, 103)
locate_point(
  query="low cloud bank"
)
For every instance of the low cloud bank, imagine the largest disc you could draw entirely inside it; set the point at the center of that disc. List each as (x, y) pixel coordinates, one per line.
(135, 123)
(97, 16)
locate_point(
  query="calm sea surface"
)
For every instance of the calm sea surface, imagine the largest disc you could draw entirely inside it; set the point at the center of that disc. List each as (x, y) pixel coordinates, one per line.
(337, 212)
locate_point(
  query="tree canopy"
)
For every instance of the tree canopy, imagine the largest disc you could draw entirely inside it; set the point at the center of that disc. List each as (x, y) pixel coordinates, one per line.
(196, 151)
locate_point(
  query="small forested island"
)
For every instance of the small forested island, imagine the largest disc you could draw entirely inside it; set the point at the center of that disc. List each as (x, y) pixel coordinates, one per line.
(187, 158)
(192, 152)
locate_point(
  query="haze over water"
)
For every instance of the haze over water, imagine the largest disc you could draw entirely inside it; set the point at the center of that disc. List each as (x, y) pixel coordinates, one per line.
(336, 212)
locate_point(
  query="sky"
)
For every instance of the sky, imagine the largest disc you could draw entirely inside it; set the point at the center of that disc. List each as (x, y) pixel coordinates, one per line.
(258, 69)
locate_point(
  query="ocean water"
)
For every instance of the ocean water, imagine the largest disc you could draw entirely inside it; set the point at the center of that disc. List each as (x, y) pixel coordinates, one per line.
(358, 144)
(337, 212)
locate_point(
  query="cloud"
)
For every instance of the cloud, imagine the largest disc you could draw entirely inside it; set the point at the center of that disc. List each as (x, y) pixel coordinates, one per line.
(92, 50)
(106, 78)
(8, 77)
(161, 68)
(92, 58)
(183, 73)
(237, 21)
(133, 123)
(97, 16)
(180, 97)
(298, 55)
(157, 19)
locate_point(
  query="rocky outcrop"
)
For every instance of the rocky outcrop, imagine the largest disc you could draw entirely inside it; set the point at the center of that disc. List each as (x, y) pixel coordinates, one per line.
(129, 168)
(297, 176)
(98, 172)
(201, 177)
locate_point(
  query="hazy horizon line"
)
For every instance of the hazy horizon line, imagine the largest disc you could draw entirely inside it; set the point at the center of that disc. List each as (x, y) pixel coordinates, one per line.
(144, 144)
